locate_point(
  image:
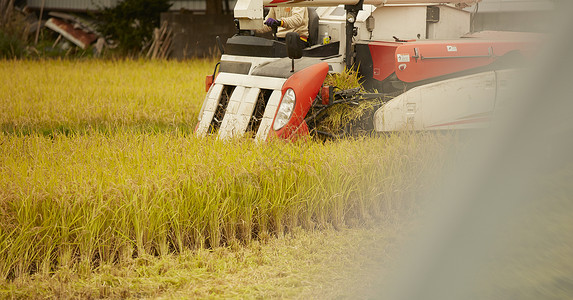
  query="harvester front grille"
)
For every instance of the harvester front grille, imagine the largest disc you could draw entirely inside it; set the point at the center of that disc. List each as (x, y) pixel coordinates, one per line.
(259, 111)
(239, 105)
(221, 108)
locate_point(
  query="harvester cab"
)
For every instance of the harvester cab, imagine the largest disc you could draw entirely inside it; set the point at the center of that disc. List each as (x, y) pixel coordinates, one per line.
(417, 58)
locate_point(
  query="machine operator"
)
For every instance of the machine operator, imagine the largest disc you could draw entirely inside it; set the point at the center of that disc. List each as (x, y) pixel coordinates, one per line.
(288, 19)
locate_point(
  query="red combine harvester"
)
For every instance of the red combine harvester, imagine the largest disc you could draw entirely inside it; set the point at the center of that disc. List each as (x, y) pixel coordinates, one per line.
(418, 56)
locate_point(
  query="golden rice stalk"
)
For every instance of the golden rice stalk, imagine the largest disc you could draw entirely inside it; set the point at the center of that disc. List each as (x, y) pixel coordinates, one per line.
(348, 118)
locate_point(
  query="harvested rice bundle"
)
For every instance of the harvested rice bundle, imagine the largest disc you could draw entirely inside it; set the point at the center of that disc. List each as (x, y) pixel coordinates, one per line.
(352, 117)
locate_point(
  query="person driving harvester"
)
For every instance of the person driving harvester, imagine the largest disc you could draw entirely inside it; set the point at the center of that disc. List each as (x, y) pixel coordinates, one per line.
(288, 19)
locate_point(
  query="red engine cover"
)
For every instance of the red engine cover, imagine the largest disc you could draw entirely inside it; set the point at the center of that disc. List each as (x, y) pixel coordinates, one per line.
(421, 60)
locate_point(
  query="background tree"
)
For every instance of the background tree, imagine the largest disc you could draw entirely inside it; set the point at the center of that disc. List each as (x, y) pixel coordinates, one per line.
(218, 7)
(131, 22)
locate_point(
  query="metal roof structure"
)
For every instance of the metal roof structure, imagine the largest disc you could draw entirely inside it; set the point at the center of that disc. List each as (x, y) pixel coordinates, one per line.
(485, 6)
(90, 5)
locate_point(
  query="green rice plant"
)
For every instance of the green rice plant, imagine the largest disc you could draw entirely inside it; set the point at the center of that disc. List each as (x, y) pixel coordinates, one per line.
(99, 166)
(153, 202)
(51, 97)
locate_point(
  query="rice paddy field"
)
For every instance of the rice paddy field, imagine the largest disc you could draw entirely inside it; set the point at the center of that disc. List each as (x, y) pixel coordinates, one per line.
(105, 192)
(100, 168)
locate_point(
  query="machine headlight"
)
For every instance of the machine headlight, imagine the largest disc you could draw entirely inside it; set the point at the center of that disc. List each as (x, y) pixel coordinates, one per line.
(351, 18)
(285, 109)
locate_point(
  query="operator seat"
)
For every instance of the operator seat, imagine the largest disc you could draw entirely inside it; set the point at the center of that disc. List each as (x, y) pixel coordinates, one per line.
(312, 26)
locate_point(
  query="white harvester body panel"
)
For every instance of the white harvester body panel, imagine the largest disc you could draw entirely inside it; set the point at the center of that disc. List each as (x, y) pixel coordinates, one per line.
(250, 12)
(452, 24)
(465, 102)
(389, 23)
(507, 84)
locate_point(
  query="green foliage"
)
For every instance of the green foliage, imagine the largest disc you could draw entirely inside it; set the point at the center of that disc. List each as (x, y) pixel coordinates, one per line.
(14, 31)
(131, 22)
(10, 46)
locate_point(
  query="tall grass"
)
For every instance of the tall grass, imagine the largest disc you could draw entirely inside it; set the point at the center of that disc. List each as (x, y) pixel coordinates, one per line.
(98, 167)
